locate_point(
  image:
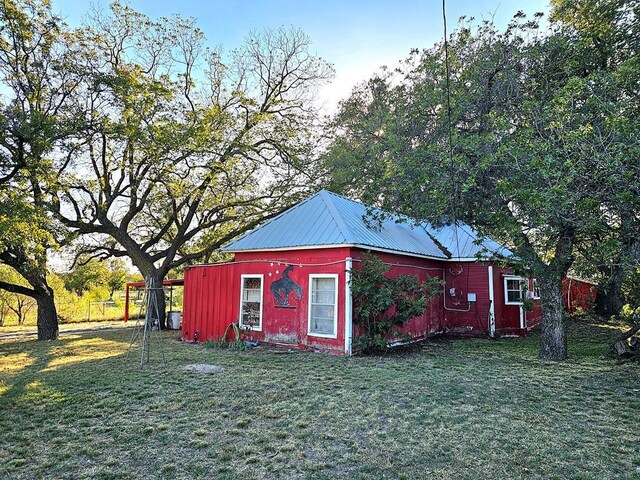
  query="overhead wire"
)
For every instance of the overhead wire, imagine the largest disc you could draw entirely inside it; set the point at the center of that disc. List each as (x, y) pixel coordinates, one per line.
(454, 183)
(452, 169)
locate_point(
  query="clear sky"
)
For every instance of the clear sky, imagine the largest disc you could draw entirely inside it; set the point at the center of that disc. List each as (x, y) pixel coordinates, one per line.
(356, 36)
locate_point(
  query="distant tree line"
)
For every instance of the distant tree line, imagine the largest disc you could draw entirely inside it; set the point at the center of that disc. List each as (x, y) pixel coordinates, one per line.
(74, 291)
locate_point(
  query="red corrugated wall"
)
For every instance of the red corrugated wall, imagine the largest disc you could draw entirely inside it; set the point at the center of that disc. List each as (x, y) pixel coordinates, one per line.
(432, 320)
(534, 317)
(461, 316)
(578, 295)
(212, 297)
(508, 316)
(208, 306)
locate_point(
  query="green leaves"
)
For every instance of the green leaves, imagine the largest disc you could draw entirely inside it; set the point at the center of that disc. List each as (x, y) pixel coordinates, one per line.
(545, 143)
(382, 301)
(537, 134)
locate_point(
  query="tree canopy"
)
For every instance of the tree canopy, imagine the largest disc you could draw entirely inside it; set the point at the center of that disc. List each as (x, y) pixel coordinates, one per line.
(538, 148)
(183, 148)
(132, 137)
(37, 114)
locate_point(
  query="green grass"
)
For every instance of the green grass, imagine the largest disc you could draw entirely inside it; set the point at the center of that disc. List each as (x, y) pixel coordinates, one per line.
(463, 409)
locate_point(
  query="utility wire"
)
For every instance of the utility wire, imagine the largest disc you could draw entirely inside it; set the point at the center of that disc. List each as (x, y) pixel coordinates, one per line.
(454, 196)
(448, 86)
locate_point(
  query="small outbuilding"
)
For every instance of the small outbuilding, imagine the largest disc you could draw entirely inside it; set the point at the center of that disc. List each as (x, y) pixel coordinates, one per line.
(289, 280)
(579, 295)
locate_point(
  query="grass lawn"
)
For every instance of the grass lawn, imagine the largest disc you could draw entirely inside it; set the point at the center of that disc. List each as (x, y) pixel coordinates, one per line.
(463, 409)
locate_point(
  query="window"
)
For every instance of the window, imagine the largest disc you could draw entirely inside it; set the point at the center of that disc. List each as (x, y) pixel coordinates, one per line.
(251, 302)
(513, 290)
(536, 290)
(323, 301)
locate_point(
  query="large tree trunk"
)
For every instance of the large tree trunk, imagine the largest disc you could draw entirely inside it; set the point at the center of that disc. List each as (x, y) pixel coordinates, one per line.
(34, 272)
(149, 270)
(553, 339)
(47, 314)
(159, 300)
(609, 297)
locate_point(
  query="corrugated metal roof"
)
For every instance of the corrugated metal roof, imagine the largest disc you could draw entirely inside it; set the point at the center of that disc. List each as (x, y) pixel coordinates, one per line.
(330, 219)
(462, 241)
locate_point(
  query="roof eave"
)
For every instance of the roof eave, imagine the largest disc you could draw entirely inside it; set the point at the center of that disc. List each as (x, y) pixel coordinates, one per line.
(340, 245)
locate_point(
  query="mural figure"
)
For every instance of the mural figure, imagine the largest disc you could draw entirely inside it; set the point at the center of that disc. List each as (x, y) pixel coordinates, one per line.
(282, 287)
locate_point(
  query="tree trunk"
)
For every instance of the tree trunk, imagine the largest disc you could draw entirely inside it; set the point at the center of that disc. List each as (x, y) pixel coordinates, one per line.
(609, 297)
(553, 339)
(47, 314)
(34, 272)
(158, 293)
(635, 328)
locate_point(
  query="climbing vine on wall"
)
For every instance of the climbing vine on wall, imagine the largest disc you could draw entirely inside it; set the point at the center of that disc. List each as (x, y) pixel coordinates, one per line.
(383, 302)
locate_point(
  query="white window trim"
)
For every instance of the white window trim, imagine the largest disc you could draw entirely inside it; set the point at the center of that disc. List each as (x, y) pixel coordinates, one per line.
(506, 293)
(335, 306)
(535, 287)
(257, 328)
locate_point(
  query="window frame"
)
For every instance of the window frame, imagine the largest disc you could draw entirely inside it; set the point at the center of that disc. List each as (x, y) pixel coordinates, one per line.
(521, 281)
(536, 290)
(244, 276)
(313, 276)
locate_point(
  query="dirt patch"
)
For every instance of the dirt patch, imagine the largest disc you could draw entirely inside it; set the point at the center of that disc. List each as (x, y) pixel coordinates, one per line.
(204, 368)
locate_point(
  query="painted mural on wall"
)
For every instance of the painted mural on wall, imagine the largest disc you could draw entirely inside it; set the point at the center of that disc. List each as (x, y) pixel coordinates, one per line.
(283, 287)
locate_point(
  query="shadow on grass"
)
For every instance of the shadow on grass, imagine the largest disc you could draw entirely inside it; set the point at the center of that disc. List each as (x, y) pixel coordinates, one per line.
(26, 364)
(589, 337)
(453, 409)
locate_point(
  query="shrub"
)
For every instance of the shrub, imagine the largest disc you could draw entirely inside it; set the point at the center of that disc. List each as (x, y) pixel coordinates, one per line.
(629, 313)
(383, 303)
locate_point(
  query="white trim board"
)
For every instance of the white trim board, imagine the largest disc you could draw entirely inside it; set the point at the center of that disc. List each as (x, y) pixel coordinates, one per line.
(334, 276)
(348, 308)
(242, 278)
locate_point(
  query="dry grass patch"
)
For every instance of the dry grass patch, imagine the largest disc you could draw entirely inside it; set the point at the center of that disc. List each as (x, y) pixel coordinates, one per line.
(463, 409)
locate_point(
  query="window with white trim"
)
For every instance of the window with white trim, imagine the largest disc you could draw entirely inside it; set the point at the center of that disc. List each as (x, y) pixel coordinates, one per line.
(323, 305)
(251, 302)
(513, 290)
(536, 290)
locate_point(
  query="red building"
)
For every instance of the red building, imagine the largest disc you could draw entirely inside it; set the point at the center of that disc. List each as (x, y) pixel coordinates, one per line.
(289, 284)
(578, 295)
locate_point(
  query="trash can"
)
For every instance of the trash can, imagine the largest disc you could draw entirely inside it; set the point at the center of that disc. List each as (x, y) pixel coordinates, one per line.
(174, 319)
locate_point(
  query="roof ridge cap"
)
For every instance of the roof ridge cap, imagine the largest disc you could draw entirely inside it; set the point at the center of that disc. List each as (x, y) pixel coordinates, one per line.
(335, 214)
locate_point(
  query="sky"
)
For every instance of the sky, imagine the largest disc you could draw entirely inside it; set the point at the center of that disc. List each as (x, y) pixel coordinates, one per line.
(356, 36)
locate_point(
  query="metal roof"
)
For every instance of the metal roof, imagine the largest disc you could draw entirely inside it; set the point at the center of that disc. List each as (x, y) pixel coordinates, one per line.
(329, 219)
(462, 241)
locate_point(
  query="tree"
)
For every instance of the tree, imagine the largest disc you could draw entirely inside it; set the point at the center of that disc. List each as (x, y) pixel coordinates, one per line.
(117, 276)
(610, 260)
(608, 36)
(86, 275)
(38, 78)
(19, 304)
(181, 150)
(534, 153)
(24, 239)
